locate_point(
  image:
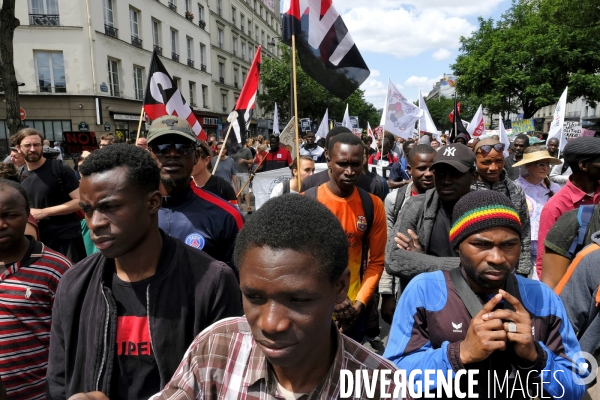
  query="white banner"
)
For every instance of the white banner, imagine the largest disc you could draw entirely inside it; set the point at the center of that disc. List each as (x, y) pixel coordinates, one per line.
(401, 114)
(264, 182)
(288, 136)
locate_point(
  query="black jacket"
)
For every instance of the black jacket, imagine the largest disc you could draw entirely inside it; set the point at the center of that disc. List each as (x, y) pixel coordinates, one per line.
(191, 291)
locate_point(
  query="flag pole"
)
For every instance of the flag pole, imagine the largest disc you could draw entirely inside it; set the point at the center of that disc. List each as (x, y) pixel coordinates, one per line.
(224, 143)
(296, 110)
(139, 126)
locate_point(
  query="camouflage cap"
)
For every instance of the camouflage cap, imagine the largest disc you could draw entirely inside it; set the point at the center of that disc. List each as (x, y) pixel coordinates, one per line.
(170, 125)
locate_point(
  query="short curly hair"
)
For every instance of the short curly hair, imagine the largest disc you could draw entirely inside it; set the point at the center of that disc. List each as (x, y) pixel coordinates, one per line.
(143, 170)
(281, 223)
(10, 172)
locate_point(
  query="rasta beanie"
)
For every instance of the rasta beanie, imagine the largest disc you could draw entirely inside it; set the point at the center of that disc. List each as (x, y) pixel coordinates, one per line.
(480, 210)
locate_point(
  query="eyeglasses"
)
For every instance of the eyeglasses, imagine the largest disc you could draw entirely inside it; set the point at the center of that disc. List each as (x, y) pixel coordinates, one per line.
(34, 145)
(181, 148)
(543, 165)
(487, 148)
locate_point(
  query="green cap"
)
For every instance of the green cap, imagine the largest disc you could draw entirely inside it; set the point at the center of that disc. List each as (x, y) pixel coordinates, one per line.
(170, 125)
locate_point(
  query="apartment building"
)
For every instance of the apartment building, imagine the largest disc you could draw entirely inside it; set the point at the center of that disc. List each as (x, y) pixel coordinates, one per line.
(84, 64)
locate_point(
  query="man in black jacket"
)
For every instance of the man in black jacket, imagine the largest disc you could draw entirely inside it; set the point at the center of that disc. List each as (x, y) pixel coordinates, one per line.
(123, 319)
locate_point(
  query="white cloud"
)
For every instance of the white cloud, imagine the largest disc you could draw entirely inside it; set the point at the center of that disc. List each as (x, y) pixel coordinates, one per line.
(375, 90)
(441, 54)
(453, 7)
(405, 32)
(423, 82)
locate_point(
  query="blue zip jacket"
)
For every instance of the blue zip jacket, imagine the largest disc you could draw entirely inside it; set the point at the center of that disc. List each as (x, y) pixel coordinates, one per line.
(431, 321)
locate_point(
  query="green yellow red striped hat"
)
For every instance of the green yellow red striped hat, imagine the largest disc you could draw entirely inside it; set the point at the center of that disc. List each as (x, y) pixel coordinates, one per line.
(482, 210)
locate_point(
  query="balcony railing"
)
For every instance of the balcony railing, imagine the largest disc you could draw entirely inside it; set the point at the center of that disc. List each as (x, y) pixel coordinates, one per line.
(111, 31)
(202, 24)
(136, 41)
(242, 28)
(203, 67)
(205, 106)
(220, 45)
(222, 80)
(158, 50)
(249, 32)
(233, 21)
(235, 52)
(44, 19)
(172, 6)
(235, 84)
(190, 63)
(219, 11)
(175, 57)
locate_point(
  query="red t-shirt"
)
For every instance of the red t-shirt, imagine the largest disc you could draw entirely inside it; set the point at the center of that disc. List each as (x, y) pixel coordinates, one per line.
(279, 159)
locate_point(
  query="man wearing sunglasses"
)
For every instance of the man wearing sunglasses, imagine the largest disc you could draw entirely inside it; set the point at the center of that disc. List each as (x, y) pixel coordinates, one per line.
(196, 217)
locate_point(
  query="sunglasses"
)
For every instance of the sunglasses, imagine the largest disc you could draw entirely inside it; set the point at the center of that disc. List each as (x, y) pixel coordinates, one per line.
(543, 165)
(165, 148)
(487, 148)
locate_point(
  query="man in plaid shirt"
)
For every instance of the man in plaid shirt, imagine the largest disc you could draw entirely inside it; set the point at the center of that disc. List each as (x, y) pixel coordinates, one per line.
(292, 274)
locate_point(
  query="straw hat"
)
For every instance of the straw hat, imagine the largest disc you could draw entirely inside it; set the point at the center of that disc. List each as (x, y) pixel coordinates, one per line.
(532, 157)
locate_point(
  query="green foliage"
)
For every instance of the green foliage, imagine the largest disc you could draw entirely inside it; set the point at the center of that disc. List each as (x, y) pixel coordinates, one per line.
(527, 58)
(313, 99)
(439, 109)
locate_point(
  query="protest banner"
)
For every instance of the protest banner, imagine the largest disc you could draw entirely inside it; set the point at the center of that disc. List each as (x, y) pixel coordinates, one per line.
(571, 128)
(79, 141)
(523, 126)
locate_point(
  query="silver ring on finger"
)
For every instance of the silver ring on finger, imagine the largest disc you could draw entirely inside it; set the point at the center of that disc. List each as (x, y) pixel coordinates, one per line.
(512, 327)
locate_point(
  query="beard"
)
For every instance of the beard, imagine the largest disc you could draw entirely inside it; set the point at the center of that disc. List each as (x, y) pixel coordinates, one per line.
(173, 182)
(32, 157)
(478, 276)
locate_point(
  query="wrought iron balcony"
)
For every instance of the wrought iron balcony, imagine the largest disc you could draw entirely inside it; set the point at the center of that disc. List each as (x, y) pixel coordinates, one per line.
(158, 50)
(190, 63)
(136, 41)
(44, 19)
(203, 67)
(220, 45)
(235, 52)
(233, 21)
(172, 6)
(202, 24)
(222, 80)
(111, 31)
(175, 57)
(219, 11)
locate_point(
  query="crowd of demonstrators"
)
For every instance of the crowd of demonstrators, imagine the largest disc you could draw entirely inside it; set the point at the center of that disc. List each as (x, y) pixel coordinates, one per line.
(227, 167)
(519, 144)
(312, 149)
(399, 175)
(204, 179)
(384, 157)
(307, 168)
(491, 175)
(482, 316)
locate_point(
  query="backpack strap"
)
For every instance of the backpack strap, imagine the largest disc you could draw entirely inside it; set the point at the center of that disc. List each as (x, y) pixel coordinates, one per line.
(369, 210)
(286, 186)
(55, 164)
(398, 203)
(587, 250)
(311, 192)
(584, 216)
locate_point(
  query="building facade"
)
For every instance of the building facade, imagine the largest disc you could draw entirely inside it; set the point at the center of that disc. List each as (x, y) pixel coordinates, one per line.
(85, 63)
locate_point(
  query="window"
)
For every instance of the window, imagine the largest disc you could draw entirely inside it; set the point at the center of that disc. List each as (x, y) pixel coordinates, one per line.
(200, 12)
(190, 44)
(233, 15)
(204, 96)
(261, 11)
(256, 33)
(224, 101)
(133, 23)
(113, 77)
(174, 41)
(235, 46)
(192, 91)
(243, 76)
(108, 13)
(219, 7)
(221, 71)
(44, 7)
(51, 72)
(202, 54)
(243, 49)
(188, 6)
(262, 38)
(156, 33)
(249, 27)
(241, 21)
(220, 37)
(138, 82)
(235, 75)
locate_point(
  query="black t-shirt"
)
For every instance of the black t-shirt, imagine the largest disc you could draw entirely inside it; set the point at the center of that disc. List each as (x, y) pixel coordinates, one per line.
(135, 372)
(220, 187)
(439, 243)
(44, 191)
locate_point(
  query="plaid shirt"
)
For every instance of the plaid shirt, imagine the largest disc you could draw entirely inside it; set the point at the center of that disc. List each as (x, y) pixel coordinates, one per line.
(224, 362)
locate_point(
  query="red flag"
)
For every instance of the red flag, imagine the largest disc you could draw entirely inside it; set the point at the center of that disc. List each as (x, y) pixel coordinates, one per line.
(244, 106)
(451, 115)
(164, 98)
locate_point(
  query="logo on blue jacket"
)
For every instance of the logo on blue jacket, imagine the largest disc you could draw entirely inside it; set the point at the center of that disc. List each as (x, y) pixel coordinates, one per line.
(195, 240)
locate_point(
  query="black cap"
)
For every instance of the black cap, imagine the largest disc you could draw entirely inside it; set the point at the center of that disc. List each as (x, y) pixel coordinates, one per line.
(581, 148)
(457, 155)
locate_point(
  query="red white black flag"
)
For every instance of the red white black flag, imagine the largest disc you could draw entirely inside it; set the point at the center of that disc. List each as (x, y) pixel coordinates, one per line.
(326, 49)
(164, 98)
(240, 118)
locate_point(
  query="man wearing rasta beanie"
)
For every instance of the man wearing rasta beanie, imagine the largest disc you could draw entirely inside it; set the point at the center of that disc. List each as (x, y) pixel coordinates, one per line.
(481, 316)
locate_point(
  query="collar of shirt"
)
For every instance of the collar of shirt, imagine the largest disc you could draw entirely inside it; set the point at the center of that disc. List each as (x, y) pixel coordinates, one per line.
(577, 195)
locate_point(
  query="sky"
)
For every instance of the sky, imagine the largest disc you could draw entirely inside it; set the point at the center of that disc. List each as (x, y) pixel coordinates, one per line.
(411, 42)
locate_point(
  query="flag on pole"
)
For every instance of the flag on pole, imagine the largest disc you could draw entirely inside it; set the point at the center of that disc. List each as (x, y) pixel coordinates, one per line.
(451, 115)
(400, 114)
(323, 127)
(458, 123)
(326, 50)
(556, 127)
(372, 136)
(164, 98)
(275, 121)
(244, 106)
(426, 122)
(288, 135)
(346, 121)
(477, 126)
(504, 138)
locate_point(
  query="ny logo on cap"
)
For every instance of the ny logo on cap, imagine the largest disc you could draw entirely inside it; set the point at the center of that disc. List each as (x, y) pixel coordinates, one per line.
(449, 151)
(170, 122)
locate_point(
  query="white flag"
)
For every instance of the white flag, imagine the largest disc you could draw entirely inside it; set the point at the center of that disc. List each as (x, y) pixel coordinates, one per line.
(556, 127)
(504, 138)
(346, 121)
(324, 127)
(276, 121)
(426, 122)
(288, 136)
(372, 136)
(477, 126)
(400, 114)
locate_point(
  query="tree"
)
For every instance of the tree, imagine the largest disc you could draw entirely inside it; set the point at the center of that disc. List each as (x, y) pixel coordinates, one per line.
(8, 80)
(525, 60)
(313, 99)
